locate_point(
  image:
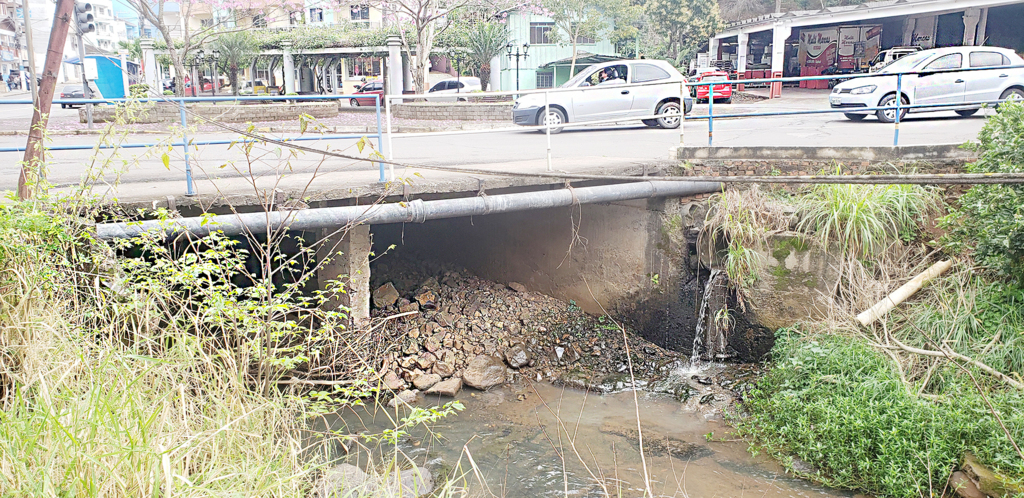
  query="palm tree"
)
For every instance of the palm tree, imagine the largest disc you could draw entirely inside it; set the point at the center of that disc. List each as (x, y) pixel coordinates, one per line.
(235, 51)
(485, 41)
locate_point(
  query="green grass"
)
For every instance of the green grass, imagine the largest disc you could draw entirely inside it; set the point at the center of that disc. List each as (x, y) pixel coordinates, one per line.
(839, 405)
(864, 219)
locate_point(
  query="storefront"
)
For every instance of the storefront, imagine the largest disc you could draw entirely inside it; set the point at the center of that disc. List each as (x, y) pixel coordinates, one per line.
(846, 39)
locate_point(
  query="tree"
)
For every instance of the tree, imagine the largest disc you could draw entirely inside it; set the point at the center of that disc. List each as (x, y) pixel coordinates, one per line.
(685, 23)
(235, 50)
(485, 41)
(575, 19)
(181, 38)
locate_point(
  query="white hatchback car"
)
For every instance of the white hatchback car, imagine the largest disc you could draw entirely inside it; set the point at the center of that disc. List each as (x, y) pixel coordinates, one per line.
(937, 79)
(610, 91)
(450, 90)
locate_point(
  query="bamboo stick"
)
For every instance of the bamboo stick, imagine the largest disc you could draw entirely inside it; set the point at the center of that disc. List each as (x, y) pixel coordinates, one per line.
(905, 291)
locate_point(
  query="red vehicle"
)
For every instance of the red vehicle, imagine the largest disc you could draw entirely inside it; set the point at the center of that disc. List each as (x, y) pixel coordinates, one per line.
(370, 89)
(723, 93)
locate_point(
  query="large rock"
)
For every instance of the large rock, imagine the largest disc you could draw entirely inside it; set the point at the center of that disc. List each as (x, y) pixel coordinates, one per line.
(797, 279)
(385, 295)
(484, 372)
(963, 486)
(412, 483)
(517, 357)
(449, 387)
(402, 398)
(345, 480)
(393, 382)
(426, 381)
(989, 482)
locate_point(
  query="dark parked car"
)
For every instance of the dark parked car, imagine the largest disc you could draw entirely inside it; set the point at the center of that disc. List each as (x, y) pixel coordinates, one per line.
(74, 92)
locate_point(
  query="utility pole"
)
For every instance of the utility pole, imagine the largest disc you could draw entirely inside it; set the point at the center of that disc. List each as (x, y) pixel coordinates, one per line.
(31, 53)
(54, 52)
(83, 25)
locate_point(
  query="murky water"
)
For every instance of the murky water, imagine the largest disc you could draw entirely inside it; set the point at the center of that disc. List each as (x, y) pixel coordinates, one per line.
(536, 439)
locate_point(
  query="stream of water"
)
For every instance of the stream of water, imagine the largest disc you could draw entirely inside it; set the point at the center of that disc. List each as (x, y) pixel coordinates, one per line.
(519, 438)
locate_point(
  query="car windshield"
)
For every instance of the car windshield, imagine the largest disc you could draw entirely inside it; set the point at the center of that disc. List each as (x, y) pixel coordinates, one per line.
(906, 63)
(715, 77)
(72, 89)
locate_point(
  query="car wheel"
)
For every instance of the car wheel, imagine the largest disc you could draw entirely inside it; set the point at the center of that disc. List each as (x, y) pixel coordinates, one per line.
(650, 122)
(461, 100)
(967, 112)
(63, 106)
(726, 101)
(353, 102)
(555, 117)
(670, 111)
(855, 117)
(889, 115)
(1012, 95)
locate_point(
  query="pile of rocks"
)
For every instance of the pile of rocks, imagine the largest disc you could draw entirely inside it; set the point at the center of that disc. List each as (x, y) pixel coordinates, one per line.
(453, 329)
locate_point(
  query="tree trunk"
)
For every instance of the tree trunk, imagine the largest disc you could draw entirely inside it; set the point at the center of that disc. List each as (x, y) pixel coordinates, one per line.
(572, 66)
(233, 79)
(485, 75)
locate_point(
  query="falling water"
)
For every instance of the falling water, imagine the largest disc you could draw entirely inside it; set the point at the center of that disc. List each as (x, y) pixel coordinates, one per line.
(698, 336)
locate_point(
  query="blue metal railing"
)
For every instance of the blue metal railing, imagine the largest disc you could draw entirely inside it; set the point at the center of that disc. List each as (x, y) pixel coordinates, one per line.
(899, 107)
(185, 143)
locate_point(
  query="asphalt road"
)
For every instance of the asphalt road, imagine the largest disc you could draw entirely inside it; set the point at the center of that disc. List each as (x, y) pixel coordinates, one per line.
(596, 147)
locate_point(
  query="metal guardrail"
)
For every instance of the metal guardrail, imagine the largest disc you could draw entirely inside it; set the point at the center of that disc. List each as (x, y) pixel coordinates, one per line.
(185, 143)
(899, 107)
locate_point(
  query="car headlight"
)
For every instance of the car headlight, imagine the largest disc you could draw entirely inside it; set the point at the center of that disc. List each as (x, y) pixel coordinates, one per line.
(864, 89)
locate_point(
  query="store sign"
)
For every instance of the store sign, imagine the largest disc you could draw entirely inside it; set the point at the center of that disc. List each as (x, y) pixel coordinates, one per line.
(6, 56)
(924, 32)
(858, 45)
(818, 47)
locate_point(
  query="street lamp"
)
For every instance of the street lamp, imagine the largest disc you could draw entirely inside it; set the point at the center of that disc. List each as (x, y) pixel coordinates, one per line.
(213, 70)
(517, 55)
(456, 57)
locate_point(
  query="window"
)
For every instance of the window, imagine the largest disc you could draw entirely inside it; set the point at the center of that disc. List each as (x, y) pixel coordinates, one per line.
(440, 86)
(258, 21)
(359, 12)
(316, 14)
(988, 59)
(648, 72)
(951, 61)
(540, 33)
(206, 23)
(545, 79)
(610, 75)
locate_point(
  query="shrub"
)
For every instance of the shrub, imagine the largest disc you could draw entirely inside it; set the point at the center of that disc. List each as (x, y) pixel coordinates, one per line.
(989, 221)
(841, 406)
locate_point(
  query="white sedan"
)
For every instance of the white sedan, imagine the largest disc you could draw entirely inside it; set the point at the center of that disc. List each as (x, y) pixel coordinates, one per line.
(938, 79)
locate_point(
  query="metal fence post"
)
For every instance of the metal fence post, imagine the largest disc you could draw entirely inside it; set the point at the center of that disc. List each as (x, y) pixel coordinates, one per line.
(547, 126)
(682, 110)
(711, 112)
(899, 100)
(380, 143)
(184, 143)
(391, 150)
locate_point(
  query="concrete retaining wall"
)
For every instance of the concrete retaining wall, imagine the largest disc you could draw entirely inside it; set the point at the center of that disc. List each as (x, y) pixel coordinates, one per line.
(455, 111)
(231, 113)
(750, 161)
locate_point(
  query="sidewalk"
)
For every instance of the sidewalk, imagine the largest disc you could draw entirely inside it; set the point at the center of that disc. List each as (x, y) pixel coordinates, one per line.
(16, 95)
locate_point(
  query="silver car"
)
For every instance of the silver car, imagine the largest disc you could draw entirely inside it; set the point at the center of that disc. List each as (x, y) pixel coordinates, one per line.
(611, 91)
(937, 82)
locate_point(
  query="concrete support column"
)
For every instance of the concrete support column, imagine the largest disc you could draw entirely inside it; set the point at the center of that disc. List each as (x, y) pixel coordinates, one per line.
(908, 31)
(971, 18)
(395, 76)
(495, 80)
(408, 84)
(742, 49)
(713, 44)
(149, 68)
(289, 67)
(334, 77)
(780, 32)
(349, 265)
(980, 38)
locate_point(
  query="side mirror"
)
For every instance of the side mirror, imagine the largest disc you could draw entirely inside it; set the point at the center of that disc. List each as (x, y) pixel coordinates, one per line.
(585, 83)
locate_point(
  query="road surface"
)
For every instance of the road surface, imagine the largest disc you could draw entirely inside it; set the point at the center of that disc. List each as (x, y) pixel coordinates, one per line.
(143, 175)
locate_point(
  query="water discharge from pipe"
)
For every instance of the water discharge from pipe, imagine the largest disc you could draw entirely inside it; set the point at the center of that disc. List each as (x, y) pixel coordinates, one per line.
(698, 335)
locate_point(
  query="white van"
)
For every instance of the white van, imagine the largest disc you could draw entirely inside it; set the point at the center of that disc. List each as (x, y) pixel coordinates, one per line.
(889, 55)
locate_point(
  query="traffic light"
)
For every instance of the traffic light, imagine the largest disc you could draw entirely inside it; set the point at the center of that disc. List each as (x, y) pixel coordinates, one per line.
(83, 18)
